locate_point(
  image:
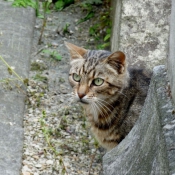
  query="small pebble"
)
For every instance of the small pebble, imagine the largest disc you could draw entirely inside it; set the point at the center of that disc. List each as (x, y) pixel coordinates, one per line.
(49, 162)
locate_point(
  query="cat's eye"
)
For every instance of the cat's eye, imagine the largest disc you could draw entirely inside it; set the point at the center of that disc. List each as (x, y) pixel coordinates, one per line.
(98, 81)
(76, 77)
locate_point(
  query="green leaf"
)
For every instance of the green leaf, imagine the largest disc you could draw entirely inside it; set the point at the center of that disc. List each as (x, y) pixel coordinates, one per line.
(58, 57)
(40, 16)
(59, 5)
(107, 37)
(88, 16)
(46, 51)
(108, 31)
(9, 70)
(24, 3)
(26, 81)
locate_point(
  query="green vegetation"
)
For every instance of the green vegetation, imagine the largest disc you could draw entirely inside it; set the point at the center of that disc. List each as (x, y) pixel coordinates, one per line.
(101, 30)
(45, 7)
(60, 4)
(11, 71)
(53, 54)
(97, 2)
(38, 66)
(66, 28)
(40, 78)
(24, 3)
(48, 134)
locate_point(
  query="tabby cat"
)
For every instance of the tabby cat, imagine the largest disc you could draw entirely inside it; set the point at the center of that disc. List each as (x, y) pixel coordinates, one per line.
(111, 94)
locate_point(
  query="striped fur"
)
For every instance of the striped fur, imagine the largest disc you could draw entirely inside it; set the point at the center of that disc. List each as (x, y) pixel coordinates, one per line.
(113, 107)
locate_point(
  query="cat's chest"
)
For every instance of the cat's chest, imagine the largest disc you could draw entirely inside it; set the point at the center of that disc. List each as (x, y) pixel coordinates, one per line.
(106, 138)
(101, 135)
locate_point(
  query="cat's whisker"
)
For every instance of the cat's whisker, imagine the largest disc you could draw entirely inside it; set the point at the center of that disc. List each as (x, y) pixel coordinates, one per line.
(104, 107)
(104, 102)
(107, 104)
(105, 111)
(123, 94)
(98, 108)
(103, 115)
(94, 111)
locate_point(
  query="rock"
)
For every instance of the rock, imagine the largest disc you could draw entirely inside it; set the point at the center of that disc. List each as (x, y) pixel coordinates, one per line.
(54, 44)
(26, 173)
(146, 151)
(38, 165)
(49, 162)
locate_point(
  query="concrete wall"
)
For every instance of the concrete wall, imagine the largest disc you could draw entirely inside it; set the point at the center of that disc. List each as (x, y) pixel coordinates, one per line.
(142, 31)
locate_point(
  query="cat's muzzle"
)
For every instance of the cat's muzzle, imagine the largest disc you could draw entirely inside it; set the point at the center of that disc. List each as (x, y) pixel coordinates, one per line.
(83, 101)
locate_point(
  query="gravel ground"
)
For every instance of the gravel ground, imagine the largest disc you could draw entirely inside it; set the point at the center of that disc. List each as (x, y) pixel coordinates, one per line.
(57, 138)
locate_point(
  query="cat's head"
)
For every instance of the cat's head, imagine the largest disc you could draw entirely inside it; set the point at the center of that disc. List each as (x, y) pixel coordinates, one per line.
(96, 75)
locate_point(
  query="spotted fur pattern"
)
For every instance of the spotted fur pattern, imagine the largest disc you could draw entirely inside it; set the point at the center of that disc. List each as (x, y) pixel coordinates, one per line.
(112, 107)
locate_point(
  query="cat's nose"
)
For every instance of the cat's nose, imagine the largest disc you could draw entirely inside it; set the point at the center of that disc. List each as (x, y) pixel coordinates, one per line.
(81, 95)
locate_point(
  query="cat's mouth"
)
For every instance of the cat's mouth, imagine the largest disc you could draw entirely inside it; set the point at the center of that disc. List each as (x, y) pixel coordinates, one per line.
(83, 101)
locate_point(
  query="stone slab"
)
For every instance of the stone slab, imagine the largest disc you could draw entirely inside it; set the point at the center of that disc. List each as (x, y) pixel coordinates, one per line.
(16, 34)
(11, 145)
(12, 108)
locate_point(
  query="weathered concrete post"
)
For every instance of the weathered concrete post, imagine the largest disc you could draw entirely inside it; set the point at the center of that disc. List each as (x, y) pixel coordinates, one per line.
(116, 16)
(171, 56)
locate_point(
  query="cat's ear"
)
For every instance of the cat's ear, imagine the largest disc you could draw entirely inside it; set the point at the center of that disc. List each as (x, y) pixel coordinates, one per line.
(75, 51)
(117, 61)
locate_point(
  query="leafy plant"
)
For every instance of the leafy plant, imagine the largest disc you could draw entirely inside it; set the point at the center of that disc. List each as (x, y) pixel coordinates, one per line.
(102, 30)
(106, 39)
(40, 78)
(60, 4)
(11, 71)
(88, 16)
(45, 6)
(90, 13)
(97, 2)
(66, 28)
(53, 54)
(93, 31)
(24, 3)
